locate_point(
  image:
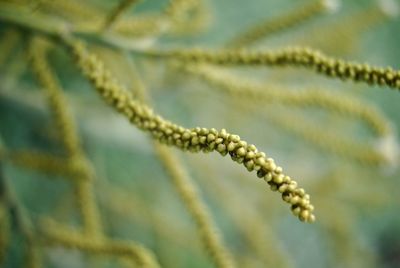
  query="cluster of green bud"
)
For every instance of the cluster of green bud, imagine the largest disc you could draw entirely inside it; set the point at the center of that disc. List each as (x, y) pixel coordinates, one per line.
(195, 139)
(291, 56)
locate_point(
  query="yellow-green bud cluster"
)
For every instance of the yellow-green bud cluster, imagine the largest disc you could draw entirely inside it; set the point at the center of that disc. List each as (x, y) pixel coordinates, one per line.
(292, 56)
(195, 139)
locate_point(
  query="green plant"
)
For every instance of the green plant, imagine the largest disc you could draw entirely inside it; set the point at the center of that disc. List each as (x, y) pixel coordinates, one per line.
(104, 45)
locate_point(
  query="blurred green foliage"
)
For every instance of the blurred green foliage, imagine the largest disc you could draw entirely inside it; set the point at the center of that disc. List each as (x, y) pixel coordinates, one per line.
(356, 203)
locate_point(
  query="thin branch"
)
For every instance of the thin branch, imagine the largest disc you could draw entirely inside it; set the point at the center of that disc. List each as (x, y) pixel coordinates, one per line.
(122, 7)
(270, 26)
